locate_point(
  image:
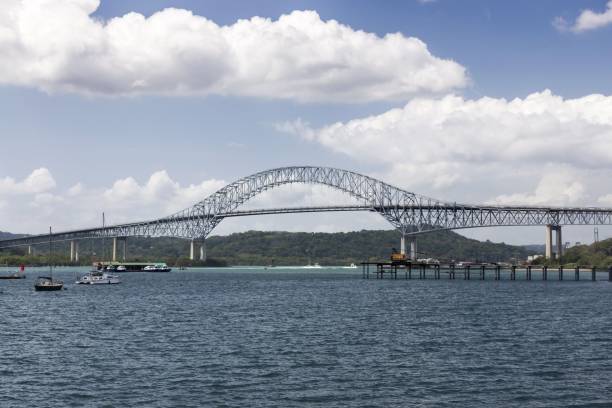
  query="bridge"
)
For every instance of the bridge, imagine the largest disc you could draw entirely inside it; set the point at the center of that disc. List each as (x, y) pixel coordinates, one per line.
(411, 214)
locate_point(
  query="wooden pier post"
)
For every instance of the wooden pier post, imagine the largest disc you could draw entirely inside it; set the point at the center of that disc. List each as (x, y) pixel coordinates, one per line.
(577, 273)
(409, 271)
(497, 272)
(610, 274)
(451, 271)
(560, 272)
(468, 272)
(482, 272)
(593, 276)
(528, 272)
(545, 272)
(513, 273)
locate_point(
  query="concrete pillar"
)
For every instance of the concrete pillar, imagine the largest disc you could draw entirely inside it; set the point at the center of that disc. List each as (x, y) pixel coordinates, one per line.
(192, 250)
(76, 251)
(29, 249)
(71, 251)
(203, 251)
(548, 252)
(124, 249)
(403, 244)
(413, 249)
(114, 249)
(559, 242)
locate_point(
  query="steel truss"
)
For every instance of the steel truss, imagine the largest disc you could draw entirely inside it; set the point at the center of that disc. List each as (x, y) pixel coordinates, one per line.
(408, 212)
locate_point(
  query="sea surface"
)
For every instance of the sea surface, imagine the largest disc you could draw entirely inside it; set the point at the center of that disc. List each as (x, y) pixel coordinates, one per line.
(305, 338)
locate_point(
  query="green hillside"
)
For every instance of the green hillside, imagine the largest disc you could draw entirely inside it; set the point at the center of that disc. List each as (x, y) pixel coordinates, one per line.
(598, 254)
(285, 248)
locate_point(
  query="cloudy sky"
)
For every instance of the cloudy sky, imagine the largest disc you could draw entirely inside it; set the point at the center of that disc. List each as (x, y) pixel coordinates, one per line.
(141, 108)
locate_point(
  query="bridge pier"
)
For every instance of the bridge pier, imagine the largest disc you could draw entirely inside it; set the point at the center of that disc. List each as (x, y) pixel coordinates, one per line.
(74, 251)
(192, 250)
(559, 242)
(114, 258)
(29, 249)
(549, 254)
(203, 251)
(413, 249)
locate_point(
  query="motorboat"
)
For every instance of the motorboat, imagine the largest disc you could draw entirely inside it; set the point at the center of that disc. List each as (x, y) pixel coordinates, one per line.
(47, 283)
(351, 266)
(98, 278)
(121, 268)
(315, 266)
(15, 275)
(161, 267)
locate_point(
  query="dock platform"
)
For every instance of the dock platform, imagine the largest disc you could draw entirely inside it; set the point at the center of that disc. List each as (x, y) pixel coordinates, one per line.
(480, 271)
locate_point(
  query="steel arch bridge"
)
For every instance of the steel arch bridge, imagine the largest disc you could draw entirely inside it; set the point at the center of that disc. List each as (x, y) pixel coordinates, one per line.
(406, 211)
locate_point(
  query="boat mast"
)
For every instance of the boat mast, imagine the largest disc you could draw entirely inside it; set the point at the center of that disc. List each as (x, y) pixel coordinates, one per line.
(103, 240)
(50, 252)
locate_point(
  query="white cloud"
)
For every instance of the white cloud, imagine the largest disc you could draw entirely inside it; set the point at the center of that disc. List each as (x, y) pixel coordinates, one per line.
(173, 52)
(128, 200)
(36, 201)
(452, 141)
(38, 181)
(586, 20)
(559, 187)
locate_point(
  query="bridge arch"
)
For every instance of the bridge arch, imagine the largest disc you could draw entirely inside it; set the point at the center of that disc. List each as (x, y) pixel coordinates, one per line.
(391, 202)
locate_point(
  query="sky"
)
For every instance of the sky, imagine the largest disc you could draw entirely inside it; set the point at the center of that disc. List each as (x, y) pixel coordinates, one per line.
(142, 108)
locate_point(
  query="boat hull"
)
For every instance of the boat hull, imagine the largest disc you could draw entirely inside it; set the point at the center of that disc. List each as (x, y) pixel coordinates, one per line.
(47, 288)
(12, 277)
(100, 282)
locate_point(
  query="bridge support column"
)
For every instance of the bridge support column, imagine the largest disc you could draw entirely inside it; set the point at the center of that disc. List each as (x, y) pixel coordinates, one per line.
(559, 242)
(403, 244)
(548, 253)
(413, 249)
(114, 249)
(29, 249)
(203, 251)
(71, 251)
(192, 250)
(74, 245)
(124, 248)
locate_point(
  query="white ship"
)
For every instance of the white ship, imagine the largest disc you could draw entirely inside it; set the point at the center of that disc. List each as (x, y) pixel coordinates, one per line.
(98, 278)
(309, 266)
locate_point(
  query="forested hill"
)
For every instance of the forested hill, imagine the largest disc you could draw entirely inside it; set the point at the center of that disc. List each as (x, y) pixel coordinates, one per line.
(286, 248)
(598, 254)
(8, 235)
(290, 248)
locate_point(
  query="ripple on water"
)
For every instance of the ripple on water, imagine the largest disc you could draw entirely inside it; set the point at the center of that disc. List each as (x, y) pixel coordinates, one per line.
(323, 339)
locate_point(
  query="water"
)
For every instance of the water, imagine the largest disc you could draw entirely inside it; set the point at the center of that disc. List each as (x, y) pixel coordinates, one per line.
(319, 338)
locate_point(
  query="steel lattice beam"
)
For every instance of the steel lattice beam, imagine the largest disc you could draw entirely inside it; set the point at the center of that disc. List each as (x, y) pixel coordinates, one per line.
(408, 212)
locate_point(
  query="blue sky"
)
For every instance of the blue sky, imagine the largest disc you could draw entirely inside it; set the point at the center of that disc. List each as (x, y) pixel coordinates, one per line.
(507, 49)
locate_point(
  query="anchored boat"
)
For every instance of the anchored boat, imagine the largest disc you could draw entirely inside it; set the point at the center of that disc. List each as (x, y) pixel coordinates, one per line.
(98, 278)
(47, 283)
(15, 275)
(160, 267)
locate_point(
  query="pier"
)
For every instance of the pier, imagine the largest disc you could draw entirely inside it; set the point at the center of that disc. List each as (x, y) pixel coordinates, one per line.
(478, 271)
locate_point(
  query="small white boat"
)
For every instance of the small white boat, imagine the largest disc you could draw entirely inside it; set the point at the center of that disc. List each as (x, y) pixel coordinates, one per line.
(121, 268)
(161, 267)
(98, 278)
(351, 266)
(315, 266)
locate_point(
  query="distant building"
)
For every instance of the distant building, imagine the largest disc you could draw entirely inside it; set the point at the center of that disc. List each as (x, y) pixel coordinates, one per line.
(532, 258)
